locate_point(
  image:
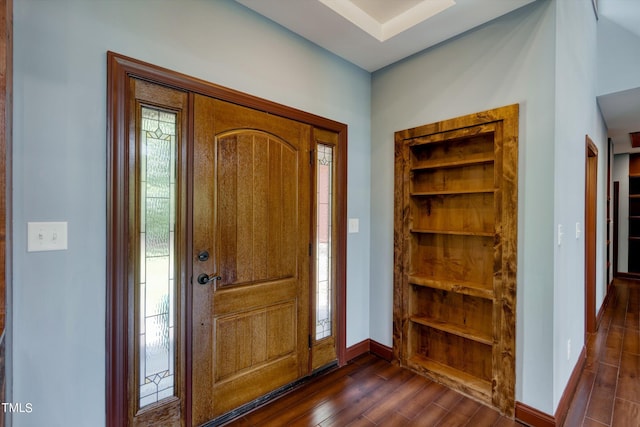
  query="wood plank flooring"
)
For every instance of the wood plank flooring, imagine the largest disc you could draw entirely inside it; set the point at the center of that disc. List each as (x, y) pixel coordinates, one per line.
(608, 393)
(370, 392)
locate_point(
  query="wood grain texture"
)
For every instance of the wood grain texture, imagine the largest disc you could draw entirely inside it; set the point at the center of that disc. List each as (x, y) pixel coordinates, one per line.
(370, 391)
(580, 399)
(257, 195)
(474, 177)
(628, 384)
(6, 113)
(6, 140)
(120, 71)
(252, 324)
(634, 165)
(400, 246)
(601, 405)
(455, 241)
(634, 214)
(478, 208)
(570, 389)
(590, 225)
(533, 417)
(607, 394)
(626, 413)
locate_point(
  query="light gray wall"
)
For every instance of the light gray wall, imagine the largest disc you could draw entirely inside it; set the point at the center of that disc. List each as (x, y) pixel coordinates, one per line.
(60, 165)
(510, 60)
(618, 58)
(577, 114)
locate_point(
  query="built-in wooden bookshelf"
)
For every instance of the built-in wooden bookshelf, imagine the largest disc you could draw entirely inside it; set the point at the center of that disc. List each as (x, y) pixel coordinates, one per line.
(634, 213)
(455, 253)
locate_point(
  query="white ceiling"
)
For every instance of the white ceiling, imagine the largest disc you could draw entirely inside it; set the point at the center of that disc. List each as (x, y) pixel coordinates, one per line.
(416, 31)
(623, 12)
(375, 33)
(621, 110)
(383, 10)
(382, 20)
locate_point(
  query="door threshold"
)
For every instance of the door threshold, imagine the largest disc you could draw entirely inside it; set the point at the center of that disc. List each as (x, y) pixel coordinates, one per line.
(269, 397)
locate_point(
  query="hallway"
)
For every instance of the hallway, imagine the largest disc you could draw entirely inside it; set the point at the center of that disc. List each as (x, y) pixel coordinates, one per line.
(608, 393)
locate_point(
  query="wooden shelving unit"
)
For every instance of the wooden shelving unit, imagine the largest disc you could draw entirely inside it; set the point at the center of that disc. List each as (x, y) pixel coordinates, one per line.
(459, 287)
(634, 214)
(440, 372)
(455, 253)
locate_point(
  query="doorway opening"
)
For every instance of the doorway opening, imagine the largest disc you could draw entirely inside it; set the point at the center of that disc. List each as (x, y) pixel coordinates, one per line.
(591, 192)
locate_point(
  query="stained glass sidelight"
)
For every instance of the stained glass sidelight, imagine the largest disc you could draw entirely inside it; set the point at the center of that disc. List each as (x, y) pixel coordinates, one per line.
(324, 278)
(157, 255)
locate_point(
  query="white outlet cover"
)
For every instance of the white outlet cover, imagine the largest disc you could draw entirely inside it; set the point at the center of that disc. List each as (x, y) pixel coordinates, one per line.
(354, 225)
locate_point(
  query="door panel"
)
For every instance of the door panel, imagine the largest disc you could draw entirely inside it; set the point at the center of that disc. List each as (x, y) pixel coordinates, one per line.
(243, 340)
(257, 207)
(252, 207)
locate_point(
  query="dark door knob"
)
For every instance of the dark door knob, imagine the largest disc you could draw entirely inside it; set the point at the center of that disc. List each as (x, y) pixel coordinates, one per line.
(205, 278)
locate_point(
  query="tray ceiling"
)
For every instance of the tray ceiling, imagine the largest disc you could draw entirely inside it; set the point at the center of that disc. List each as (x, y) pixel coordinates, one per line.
(375, 33)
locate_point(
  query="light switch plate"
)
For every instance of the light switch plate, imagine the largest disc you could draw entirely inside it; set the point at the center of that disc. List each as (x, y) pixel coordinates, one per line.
(560, 234)
(354, 225)
(46, 236)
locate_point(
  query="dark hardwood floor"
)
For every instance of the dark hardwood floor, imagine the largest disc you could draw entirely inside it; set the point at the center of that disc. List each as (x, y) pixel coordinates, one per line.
(368, 392)
(608, 393)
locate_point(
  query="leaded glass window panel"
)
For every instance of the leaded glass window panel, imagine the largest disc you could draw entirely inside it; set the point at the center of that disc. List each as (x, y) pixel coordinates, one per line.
(324, 243)
(156, 287)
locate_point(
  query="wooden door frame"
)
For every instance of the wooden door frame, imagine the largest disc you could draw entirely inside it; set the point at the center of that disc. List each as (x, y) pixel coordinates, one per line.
(590, 230)
(119, 69)
(6, 245)
(616, 225)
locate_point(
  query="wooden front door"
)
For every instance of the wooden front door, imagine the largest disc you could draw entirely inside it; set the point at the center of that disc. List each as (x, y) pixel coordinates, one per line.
(251, 243)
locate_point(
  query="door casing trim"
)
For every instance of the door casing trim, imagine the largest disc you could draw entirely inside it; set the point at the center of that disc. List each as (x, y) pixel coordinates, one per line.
(590, 227)
(119, 69)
